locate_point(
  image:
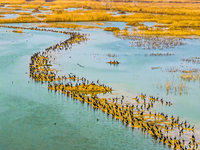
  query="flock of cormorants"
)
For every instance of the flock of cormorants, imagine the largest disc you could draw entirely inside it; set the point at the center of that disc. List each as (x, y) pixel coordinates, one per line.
(114, 62)
(155, 42)
(195, 60)
(137, 115)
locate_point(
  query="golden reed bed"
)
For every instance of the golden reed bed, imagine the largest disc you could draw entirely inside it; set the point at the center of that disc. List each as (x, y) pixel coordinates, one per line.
(172, 18)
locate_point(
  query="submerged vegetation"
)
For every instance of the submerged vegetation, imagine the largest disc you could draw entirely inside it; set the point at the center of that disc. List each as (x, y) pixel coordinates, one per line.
(173, 87)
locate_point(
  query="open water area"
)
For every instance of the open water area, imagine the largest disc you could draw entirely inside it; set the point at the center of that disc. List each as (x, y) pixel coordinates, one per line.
(28, 111)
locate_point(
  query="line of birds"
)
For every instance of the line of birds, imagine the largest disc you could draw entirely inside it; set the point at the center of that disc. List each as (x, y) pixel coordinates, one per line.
(156, 124)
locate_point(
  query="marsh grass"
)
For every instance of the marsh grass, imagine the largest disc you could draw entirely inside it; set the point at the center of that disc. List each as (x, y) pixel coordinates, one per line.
(21, 19)
(172, 87)
(24, 13)
(18, 31)
(82, 16)
(114, 29)
(133, 23)
(36, 10)
(69, 26)
(41, 15)
(14, 6)
(171, 18)
(12, 1)
(30, 6)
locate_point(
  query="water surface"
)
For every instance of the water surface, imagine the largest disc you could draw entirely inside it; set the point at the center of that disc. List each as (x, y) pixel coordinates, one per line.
(28, 111)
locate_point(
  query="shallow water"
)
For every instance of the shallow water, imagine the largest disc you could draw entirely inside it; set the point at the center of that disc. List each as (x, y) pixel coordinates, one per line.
(28, 111)
(117, 13)
(10, 16)
(134, 74)
(131, 75)
(27, 11)
(149, 24)
(72, 9)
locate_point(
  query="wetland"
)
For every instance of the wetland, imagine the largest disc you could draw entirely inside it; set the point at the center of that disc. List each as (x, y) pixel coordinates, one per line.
(87, 79)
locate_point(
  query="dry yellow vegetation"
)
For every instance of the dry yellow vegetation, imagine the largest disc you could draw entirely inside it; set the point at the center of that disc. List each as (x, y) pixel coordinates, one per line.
(69, 26)
(174, 18)
(12, 1)
(18, 31)
(114, 29)
(21, 19)
(134, 23)
(78, 16)
(41, 15)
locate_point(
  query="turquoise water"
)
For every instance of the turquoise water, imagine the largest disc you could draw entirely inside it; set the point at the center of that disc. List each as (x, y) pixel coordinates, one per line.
(27, 11)
(149, 24)
(28, 111)
(134, 74)
(10, 16)
(72, 9)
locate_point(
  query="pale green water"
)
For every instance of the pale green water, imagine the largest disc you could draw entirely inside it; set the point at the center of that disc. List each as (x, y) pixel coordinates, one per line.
(28, 111)
(134, 74)
(10, 16)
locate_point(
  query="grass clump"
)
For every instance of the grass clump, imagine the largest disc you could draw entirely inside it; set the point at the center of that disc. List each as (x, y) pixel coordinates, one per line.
(69, 26)
(24, 13)
(114, 29)
(143, 27)
(36, 10)
(41, 15)
(18, 31)
(133, 23)
(121, 12)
